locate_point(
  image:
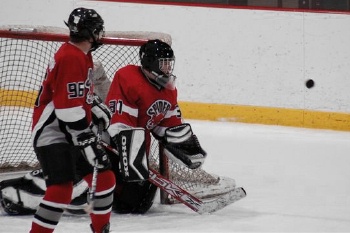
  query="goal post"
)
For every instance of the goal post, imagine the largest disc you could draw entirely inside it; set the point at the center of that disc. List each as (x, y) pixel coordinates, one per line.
(25, 52)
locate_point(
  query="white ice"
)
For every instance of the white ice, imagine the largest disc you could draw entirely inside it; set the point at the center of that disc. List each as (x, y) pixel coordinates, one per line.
(297, 180)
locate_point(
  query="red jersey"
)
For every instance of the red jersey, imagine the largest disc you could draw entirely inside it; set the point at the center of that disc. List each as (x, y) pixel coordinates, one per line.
(136, 102)
(64, 101)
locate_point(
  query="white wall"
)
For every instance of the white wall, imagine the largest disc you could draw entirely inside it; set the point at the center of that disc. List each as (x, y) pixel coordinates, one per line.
(233, 56)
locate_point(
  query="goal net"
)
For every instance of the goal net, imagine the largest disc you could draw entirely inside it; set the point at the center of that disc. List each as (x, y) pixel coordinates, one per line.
(24, 55)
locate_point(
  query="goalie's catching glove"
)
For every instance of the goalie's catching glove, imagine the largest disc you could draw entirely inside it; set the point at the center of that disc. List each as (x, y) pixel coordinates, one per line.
(93, 151)
(100, 112)
(182, 146)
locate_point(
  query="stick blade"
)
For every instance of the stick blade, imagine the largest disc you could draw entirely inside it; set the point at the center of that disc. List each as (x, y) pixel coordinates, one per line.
(220, 202)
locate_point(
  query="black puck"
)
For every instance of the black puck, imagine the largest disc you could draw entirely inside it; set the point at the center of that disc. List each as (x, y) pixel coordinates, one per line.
(310, 83)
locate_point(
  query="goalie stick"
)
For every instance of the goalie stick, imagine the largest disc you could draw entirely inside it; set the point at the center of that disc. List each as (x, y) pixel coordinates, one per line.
(197, 205)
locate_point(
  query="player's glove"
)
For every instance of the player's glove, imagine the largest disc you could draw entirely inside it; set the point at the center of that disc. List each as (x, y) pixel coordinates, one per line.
(100, 112)
(93, 151)
(182, 146)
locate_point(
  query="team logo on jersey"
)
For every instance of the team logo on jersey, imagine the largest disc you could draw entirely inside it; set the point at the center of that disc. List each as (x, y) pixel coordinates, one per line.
(157, 112)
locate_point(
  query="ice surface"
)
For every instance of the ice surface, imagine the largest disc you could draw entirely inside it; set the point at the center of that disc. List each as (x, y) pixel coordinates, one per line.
(297, 180)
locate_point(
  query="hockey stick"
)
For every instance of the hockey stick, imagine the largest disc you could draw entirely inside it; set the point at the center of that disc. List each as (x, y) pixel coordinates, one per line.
(197, 205)
(88, 209)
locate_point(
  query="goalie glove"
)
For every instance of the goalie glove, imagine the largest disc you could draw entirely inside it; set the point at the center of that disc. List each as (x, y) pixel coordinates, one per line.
(100, 112)
(183, 147)
(93, 151)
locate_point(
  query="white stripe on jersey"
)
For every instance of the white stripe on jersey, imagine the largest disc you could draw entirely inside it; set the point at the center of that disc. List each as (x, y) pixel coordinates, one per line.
(70, 114)
(43, 118)
(171, 113)
(131, 111)
(115, 128)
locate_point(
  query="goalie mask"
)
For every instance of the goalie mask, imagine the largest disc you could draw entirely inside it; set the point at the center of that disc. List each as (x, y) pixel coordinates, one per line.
(158, 60)
(85, 24)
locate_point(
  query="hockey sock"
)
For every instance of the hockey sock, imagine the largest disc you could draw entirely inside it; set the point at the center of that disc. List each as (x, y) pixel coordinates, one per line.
(101, 213)
(51, 208)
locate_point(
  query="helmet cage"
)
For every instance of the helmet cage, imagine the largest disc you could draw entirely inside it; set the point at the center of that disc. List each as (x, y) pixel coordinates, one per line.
(166, 65)
(162, 71)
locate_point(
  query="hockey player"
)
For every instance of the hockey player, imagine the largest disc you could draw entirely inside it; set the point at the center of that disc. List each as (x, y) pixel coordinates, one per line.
(22, 195)
(62, 139)
(144, 99)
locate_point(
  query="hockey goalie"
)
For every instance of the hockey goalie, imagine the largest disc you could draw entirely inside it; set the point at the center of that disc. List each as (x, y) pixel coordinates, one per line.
(143, 100)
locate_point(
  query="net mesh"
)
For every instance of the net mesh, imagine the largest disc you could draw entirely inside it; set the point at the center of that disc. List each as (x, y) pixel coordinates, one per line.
(22, 63)
(191, 180)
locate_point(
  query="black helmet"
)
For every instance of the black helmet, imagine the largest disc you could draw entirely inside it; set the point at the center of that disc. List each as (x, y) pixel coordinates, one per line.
(157, 57)
(84, 24)
(151, 53)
